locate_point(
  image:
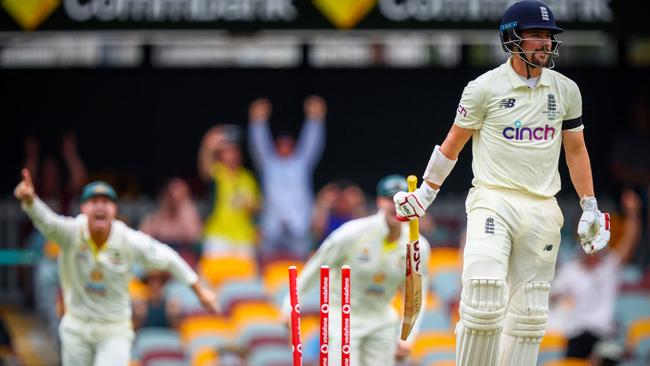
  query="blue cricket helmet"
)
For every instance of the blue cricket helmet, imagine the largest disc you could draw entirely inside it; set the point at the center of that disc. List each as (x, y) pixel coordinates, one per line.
(529, 14)
(523, 15)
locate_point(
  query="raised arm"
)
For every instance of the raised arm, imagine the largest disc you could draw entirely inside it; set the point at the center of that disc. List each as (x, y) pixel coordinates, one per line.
(259, 134)
(60, 229)
(312, 137)
(631, 204)
(76, 167)
(209, 145)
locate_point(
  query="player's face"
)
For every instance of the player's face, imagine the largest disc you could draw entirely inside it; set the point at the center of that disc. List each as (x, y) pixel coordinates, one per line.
(231, 155)
(538, 45)
(101, 211)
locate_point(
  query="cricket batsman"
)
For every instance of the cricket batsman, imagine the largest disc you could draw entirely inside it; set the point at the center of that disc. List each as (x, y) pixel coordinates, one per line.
(375, 249)
(518, 116)
(98, 253)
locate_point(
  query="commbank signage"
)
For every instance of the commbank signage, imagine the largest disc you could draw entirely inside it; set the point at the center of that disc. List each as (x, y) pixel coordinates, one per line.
(250, 15)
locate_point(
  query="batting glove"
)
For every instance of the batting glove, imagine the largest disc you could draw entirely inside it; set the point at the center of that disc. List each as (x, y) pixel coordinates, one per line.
(411, 205)
(593, 228)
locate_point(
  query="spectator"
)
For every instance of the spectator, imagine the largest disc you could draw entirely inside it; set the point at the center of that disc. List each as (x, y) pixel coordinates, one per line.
(176, 221)
(46, 280)
(156, 310)
(594, 294)
(336, 204)
(286, 173)
(630, 164)
(55, 191)
(58, 193)
(230, 227)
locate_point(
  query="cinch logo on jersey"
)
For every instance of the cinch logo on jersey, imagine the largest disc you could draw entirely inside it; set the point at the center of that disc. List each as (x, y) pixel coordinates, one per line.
(526, 133)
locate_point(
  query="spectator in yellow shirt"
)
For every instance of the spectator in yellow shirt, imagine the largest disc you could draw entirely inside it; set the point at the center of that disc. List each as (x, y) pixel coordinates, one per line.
(230, 228)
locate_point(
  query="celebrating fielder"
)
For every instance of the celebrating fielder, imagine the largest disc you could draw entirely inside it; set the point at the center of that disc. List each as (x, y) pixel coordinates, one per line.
(518, 116)
(375, 249)
(97, 256)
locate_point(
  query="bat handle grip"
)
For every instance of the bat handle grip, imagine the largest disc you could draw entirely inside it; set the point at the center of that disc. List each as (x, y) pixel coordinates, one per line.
(412, 181)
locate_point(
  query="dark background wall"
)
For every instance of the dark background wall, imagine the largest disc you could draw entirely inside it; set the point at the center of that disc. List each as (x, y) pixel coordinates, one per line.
(148, 123)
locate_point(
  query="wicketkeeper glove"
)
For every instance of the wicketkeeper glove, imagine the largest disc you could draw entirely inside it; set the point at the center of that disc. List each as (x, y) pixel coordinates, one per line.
(593, 228)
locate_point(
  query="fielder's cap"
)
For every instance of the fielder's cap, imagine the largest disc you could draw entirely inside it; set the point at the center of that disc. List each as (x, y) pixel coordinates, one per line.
(98, 188)
(391, 184)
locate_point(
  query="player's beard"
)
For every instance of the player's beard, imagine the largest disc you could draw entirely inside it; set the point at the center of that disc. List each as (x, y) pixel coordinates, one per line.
(540, 57)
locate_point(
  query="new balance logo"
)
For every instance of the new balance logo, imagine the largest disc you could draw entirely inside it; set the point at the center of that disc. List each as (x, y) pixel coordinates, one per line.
(544, 12)
(548, 247)
(507, 103)
(489, 225)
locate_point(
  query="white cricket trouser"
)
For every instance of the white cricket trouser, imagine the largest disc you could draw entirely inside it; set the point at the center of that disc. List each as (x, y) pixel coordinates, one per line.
(512, 236)
(373, 341)
(91, 343)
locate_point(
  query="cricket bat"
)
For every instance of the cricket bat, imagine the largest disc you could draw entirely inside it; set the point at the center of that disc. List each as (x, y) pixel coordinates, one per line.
(413, 283)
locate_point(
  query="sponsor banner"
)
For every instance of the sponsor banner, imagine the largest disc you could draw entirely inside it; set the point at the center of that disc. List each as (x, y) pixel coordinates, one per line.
(251, 15)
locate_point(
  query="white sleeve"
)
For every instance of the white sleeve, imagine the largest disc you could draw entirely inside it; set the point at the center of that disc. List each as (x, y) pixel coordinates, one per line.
(330, 253)
(156, 255)
(425, 250)
(471, 109)
(572, 120)
(58, 228)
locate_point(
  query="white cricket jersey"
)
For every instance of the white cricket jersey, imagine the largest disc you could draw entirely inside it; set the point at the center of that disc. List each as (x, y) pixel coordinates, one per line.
(518, 129)
(377, 271)
(95, 285)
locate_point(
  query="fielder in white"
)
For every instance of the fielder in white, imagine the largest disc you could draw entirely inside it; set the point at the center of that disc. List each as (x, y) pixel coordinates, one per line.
(97, 255)
(518, 116)
(375, 249)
